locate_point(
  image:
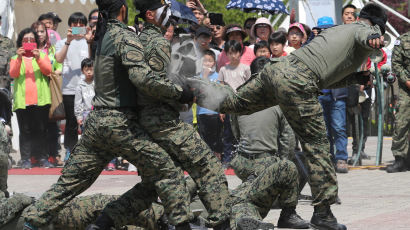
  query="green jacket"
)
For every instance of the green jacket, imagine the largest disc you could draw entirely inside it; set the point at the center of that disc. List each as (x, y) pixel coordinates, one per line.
(337, 52)
(42, 83)
(400, 60)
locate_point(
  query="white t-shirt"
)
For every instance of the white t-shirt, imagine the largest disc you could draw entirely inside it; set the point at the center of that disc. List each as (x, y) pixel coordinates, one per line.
(77, 51)
(234, 76)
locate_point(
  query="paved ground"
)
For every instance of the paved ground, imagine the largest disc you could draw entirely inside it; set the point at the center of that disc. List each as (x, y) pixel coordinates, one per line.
(371, 199)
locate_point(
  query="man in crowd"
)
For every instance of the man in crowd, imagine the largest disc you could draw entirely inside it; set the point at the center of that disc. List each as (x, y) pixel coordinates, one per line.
(401, 67)
(113, 129)
(159, 116)
(328, 61)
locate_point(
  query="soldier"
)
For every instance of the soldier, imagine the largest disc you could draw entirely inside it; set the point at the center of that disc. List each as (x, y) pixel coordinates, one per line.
(401, 67)
(6, 51)
(160, 117)
(293, 83)
(113, 129)
(4, 154)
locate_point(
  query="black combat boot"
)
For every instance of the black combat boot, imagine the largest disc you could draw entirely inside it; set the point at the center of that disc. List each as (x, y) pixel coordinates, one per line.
(399, 165)
(183, 226)
(290, 219)
(323, 219)
(223, 226)
(247, 223)
(103, 222)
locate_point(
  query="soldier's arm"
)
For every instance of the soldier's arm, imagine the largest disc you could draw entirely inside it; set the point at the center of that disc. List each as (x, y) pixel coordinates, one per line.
(397, 63)
(351, 79)
(286, 136)
(363, 34)
(142, 76)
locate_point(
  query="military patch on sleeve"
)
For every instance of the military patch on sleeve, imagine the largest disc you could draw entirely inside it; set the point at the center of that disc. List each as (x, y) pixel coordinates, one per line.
(156, 64)
(406, 45)
(397, 42)
(135, 56)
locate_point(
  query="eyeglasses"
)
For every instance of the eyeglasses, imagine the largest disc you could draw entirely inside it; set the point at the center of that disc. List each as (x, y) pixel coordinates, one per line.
(262, 26)
(217, 27)
(28, 40)
(296, 33)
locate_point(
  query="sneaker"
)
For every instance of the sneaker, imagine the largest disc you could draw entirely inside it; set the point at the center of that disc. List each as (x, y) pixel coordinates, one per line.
(247, 223)
(45, 164)
(324, 220)
(26, 164)
(110, 167)
(341, 166)
(290, 219)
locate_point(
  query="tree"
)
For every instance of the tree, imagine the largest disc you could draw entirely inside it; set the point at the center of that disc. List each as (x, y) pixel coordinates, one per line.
(400, 6)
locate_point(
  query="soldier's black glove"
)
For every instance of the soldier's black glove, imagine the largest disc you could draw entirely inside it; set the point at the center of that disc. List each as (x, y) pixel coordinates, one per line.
(187, 95)
(363, 77)
(372, 37)
(103, 222)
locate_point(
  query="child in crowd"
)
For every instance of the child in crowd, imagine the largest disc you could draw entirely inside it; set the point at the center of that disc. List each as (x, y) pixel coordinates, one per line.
(209, 123)
(296, 35)
(261, 48)
(235, 73)
(84, 93)
(277, 43)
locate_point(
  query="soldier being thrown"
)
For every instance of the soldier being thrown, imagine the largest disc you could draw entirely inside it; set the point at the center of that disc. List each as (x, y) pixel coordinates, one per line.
(293, 82)
(113, 129)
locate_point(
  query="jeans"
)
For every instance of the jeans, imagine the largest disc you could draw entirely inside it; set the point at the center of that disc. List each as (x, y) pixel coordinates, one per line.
(334, 113)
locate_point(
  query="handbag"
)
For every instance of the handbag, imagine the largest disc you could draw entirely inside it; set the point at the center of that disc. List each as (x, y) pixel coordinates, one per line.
(57, 111)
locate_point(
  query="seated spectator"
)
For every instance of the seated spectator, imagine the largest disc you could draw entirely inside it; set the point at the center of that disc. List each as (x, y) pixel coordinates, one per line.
(209, 122)
(247, 25)
(277, 43)
(235, 32)
(261, 30)
(30, 68)
(262, 49)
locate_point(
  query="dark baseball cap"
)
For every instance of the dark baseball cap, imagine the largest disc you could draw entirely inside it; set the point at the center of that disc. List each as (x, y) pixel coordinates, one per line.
(203, 30)
(55, 17)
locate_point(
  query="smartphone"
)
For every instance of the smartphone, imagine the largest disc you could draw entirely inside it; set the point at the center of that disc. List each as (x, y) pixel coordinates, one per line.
(28, 49)
(78, 30)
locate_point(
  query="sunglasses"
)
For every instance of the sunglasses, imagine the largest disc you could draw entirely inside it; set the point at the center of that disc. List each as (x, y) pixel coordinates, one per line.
(29, 40)
(218, 27)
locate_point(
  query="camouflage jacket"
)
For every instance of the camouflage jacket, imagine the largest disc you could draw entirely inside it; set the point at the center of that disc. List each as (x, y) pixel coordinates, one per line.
(157, 53)
(6, 51)
(401, 59)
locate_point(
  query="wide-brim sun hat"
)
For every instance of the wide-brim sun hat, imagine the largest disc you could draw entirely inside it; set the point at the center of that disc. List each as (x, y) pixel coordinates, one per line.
(260, 21)
(234, 28)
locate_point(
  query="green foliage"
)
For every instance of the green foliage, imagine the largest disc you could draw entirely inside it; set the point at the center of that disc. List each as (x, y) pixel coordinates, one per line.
(131, 12)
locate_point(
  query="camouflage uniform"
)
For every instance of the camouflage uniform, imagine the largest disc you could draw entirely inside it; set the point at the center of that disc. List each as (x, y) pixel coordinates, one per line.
(401, 67)
(4, 153)
(254, 198)
(160, 119)
(11, 207)
(113, 129)
(6, 51)
(293, 83)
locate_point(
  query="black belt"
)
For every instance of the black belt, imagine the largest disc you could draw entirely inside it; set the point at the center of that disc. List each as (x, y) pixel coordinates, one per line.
(253, 156)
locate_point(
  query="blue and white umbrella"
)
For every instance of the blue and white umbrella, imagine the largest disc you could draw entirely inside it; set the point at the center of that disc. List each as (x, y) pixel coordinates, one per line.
(183, 13)
(268, 6)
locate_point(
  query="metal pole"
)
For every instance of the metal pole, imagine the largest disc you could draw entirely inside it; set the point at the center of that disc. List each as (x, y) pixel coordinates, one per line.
(392, 11)
(380, 104)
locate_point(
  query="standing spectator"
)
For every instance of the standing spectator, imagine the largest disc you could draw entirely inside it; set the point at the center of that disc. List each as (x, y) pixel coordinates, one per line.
(334, 110)
(56, 20)
(277, 43)
(84, 93)
(235, 32)
(218, 31)
(262, 29)
(249, 22)
(47, 20)
(71, 51)
(296, 35)
(93, 17)
(203, 37)
(349, 14)
(262, 49)
(209, 122)
(53, 133)
(169, 34)
(30, 68)
(51, 20)
(198, 9)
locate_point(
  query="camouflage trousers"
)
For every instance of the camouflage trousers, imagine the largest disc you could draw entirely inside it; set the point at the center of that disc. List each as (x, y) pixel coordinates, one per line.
(254, 198)
(4, 153)
(400, 144)
(76, 214)
(245, 167)
(187, 148)
(108, 134)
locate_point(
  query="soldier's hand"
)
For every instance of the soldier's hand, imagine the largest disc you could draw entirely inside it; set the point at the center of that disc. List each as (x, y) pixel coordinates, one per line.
(408, 84)
(222, 117)
(376, 41)
(20, 52)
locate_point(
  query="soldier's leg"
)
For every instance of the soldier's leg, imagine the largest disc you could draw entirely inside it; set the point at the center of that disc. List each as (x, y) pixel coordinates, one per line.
(11, 207)
(4, 152)
(185, 146)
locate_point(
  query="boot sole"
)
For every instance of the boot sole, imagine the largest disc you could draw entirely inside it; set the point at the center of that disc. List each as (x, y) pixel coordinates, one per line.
(315, 227)
(252, 224)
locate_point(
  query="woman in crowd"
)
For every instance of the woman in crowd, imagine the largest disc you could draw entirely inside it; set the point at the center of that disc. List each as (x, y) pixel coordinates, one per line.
(30, 68)
(261, 30)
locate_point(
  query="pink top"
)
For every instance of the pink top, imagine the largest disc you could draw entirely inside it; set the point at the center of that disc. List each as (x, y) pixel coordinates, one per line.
(31, 87)
(247, 57)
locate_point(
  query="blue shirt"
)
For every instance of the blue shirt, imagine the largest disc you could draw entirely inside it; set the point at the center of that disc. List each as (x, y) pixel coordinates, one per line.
(200, 110)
